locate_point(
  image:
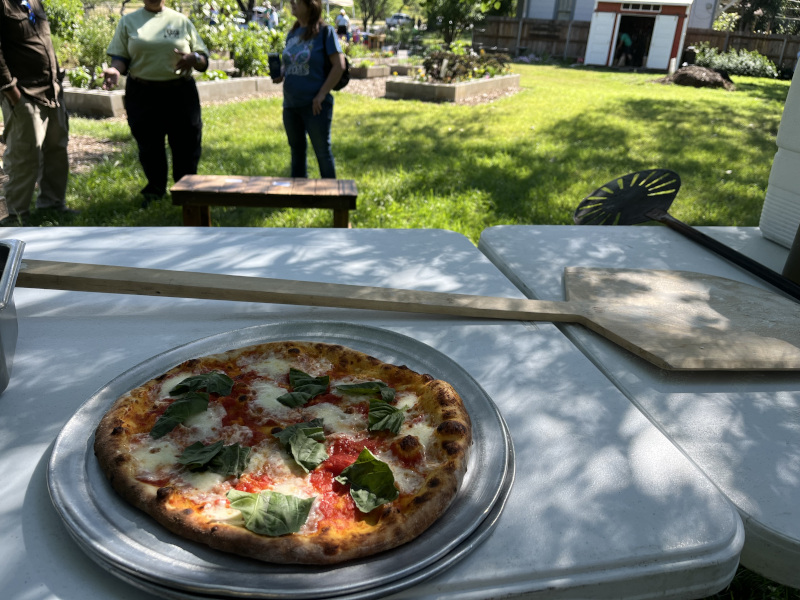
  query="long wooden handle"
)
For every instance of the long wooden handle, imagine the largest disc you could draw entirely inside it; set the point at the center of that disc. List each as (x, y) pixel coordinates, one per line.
(772, 277)
(80, 277)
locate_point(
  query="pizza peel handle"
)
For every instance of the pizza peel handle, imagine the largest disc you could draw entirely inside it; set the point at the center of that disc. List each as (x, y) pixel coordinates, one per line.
(646, 196)
(674, 320)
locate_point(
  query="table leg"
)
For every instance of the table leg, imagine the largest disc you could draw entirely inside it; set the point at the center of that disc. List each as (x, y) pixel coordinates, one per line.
(197, 216)
(341, 218)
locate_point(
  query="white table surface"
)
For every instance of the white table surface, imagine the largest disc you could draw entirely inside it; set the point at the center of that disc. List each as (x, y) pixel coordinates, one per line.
(741, 429)
(603, 504)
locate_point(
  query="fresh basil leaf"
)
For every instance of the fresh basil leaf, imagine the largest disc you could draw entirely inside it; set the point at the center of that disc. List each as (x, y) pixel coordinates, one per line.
(213, 383)
(230, 460)
(298, 378)
(315, 424)
(304, 441)
(294, 399)
(304, 388)
(191, 404)
(383, 415)
(312, 389)
(271, 513)
(371, 482)
(369, 387)
(198, 455)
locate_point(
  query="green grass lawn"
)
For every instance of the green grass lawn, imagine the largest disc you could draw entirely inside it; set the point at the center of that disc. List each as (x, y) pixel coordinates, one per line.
(525, 159)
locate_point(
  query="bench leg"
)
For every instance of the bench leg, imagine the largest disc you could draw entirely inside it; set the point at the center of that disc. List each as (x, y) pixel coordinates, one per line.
(197, 216)
(341, 218)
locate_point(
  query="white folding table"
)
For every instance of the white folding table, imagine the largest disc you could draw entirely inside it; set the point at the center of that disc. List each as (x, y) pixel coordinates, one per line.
(603, 504)
(741, 429)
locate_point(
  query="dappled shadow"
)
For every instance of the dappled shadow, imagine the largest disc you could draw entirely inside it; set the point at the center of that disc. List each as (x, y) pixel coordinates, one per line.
(601, 496)
(739, 427)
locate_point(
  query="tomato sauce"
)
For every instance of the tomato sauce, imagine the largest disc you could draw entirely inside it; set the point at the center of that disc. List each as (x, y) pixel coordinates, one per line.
(253, 483)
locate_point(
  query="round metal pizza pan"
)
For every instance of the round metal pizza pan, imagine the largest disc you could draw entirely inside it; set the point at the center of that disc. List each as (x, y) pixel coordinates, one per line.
(132, 545)
(393, 587)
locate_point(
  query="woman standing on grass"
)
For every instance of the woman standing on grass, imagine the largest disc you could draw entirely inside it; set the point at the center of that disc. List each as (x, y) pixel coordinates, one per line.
(307, 101)
(158, 48)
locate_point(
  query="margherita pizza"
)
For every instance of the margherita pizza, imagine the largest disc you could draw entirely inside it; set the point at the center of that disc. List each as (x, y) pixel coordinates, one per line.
(289, 452)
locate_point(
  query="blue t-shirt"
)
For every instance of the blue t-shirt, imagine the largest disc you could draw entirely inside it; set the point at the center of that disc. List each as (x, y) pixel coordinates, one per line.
(304, 65)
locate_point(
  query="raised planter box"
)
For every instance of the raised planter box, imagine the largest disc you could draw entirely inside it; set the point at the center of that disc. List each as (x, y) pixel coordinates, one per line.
(403, 88)
(406, 70)
(369, 72)
(100, 103)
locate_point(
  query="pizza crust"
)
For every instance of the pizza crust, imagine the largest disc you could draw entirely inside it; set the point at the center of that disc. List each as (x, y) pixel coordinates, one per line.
(388, 526)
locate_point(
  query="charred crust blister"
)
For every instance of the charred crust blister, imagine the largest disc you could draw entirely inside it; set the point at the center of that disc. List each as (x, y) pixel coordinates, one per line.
(119, 430)
(163, 493)
(452, 448)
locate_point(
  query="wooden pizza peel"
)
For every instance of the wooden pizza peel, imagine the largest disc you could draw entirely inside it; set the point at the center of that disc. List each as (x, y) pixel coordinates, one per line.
(676, 320)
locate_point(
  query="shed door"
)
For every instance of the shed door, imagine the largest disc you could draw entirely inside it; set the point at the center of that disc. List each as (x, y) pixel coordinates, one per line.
(601, 32)
(661, 43)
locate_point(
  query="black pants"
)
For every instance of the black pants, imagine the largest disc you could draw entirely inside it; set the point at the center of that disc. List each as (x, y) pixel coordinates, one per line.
(171, 110)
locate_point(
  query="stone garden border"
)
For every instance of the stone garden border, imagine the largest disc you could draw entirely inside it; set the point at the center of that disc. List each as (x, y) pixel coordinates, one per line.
(405, 88)
(104, 104)
(369, 72)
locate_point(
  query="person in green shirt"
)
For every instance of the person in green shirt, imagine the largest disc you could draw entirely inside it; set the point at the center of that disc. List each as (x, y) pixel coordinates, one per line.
(158, 48)
(625, 50)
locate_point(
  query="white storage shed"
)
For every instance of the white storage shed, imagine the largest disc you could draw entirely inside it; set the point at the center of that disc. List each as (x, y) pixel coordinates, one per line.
(657, 29)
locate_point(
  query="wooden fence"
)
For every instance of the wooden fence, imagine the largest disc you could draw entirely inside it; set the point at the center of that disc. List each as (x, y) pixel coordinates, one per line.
(565, 40)
(780, 49)
(558, 39)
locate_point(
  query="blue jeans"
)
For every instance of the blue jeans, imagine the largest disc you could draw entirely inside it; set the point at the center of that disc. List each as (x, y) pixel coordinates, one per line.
(300, 121)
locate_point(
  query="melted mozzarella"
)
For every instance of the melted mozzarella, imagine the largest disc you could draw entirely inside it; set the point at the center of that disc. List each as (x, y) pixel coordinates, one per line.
(406, 400)
(217, 511)
(422, 431)
(334, 417)
(266, 402)
(155, 457)
(271, 367)
(168, 384)
(207, 425)
(203, 481)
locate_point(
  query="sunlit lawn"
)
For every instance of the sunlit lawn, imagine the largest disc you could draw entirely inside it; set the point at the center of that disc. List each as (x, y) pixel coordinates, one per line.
(525, 159)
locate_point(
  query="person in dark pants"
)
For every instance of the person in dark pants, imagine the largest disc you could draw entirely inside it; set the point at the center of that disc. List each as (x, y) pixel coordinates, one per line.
(158, 48)
(307, 101)
(36, 125)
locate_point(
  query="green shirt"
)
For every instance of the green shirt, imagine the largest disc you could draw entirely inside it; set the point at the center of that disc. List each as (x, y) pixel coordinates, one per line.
(148, 40)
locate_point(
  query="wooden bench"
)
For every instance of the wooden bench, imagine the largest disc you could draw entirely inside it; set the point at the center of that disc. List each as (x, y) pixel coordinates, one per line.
(198, 193)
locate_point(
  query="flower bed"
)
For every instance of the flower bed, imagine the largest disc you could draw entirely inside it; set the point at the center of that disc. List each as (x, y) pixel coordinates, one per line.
(406, 88)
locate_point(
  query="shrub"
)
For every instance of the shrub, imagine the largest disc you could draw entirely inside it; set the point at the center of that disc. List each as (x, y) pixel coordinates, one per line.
(452, 67)
(251, 46)
(88, 52)
(64, 16)
(735, 62)
(212, 75)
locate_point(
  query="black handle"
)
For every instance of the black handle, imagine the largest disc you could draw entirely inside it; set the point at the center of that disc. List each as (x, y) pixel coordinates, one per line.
(772, 277)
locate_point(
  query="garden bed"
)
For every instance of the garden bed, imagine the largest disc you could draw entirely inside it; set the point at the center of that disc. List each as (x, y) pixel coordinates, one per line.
(104, 104)
(405, 70)
(369, 72)
(405, 88)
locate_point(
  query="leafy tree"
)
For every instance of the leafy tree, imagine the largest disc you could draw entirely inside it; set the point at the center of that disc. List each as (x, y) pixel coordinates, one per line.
(452, 17)
(499, 8)
(372, 10)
